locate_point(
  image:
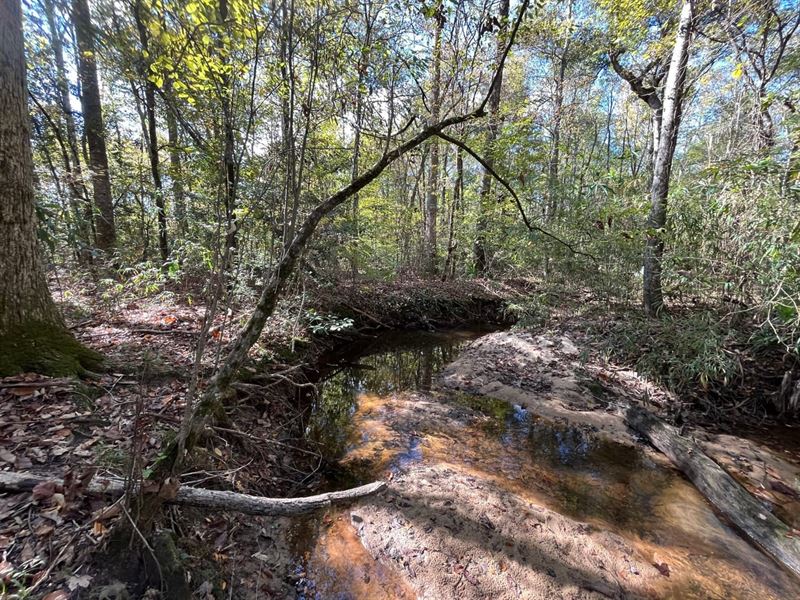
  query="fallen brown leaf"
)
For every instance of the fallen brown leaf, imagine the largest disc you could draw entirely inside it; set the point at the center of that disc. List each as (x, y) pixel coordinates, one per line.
(44, 490)
(663, 568)
(781, 487)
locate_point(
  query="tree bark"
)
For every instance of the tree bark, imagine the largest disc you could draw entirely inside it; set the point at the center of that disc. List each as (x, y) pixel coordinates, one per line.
(362, 69)
(652, 293)
(290, 199)
(213, 499)
(151, 134)
(32, 332)
(766, 127)
(484, 204)
(23, 289)
(230, 166)
(176, 169)
(555, 143)
(93, 125)
(746, 512)
(458, 192)
(430, 250)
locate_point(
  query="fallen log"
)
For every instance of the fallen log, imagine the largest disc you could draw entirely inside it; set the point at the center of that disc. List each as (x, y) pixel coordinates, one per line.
(203, 498)
(746, 512)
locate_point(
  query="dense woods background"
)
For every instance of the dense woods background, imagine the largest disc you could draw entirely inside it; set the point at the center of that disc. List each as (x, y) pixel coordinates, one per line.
(174, 138)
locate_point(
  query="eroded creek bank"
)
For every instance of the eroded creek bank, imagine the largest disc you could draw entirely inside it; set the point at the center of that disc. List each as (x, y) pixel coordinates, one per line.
(512, 476)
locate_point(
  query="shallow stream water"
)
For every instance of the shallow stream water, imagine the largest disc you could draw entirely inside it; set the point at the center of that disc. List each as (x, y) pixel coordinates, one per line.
(362, 423)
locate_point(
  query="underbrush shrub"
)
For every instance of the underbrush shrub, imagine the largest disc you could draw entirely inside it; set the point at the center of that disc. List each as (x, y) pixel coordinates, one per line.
(684, 352)
(750, 254)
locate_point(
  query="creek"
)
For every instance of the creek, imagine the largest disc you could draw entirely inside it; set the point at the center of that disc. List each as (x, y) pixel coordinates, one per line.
(378, 414)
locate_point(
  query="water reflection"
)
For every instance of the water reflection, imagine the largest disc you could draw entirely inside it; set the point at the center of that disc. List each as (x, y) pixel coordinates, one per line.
(587, 476)
(394, 363)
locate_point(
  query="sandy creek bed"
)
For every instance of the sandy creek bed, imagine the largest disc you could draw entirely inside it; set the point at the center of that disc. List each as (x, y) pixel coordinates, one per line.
(510, 478)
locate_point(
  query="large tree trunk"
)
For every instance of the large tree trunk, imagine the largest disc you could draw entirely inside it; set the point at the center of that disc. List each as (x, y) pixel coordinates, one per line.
(32, 333)
(93, 124)
(429, 246)
(484, 203)
(673, 94)
(150, 133)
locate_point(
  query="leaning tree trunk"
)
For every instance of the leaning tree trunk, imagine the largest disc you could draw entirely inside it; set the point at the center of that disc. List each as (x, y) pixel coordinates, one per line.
(93, 123)
(219, 386)
(653, 296)
(32, 334)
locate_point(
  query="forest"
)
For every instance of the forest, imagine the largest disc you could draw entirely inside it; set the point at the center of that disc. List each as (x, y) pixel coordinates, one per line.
(399, 299)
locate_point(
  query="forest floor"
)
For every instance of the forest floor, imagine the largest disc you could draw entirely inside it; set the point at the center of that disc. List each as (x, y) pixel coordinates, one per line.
(51, 542)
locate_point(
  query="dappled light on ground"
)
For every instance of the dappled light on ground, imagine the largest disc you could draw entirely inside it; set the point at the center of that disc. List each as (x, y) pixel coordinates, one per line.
(489, 500)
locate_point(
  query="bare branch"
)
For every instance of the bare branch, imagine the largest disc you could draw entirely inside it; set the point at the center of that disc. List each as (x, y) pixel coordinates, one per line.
(511, 191)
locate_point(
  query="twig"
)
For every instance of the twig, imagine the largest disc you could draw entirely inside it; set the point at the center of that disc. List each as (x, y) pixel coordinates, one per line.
(164, 331)
(369, 316)
(463, 571)
(53, 564)
(265, 440)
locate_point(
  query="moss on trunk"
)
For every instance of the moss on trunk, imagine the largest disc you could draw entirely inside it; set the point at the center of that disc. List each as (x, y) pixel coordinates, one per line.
(45, 348)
